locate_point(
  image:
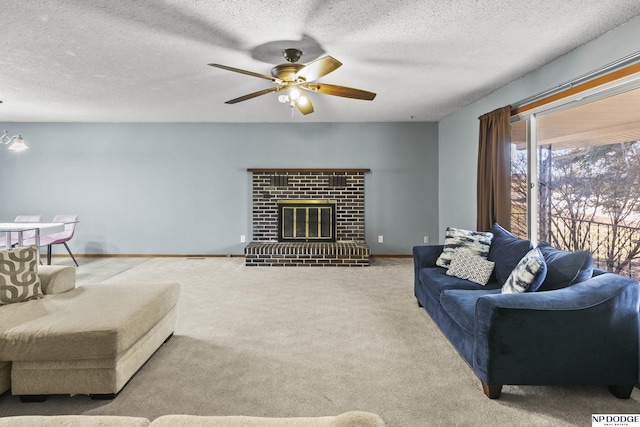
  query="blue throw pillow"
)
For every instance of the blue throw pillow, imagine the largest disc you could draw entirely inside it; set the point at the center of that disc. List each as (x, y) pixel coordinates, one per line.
(565, 268)
(506, 251)
(528, 274)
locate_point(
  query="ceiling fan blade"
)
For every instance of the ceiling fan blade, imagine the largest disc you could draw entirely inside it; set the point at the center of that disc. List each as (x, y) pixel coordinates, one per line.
(303, 104)
(318, 68)
(346, 92)
(252, 95)
(248, 73)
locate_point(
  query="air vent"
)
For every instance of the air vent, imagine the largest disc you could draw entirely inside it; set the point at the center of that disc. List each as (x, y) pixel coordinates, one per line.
(337, 180)
(279, 180)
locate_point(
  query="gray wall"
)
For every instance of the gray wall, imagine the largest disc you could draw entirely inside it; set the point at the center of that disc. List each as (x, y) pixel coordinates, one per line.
(179, 188)
(458, 133)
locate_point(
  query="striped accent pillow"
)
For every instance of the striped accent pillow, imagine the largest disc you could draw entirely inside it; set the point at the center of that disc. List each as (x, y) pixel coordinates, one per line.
(471, 242)
(528, 274)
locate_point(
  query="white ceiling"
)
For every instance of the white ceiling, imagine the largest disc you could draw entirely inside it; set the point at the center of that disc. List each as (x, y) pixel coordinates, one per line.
(146, 60)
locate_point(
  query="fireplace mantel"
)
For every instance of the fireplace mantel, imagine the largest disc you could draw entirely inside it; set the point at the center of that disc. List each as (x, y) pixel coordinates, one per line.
(302, 170)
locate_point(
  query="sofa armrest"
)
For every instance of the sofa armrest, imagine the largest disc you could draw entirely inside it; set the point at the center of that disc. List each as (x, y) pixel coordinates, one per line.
(56, 279)
(425, 256)
(584, 334)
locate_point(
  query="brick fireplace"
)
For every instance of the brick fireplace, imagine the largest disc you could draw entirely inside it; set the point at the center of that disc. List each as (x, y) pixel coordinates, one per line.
(319, 238)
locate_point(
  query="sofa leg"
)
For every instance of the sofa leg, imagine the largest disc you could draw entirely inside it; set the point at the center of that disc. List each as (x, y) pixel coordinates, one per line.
(106, 396)
(419, 305)
(621, 391)
(492, 391)
(32, 398)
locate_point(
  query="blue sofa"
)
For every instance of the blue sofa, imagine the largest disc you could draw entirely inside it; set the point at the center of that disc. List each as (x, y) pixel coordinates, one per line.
(579, 328)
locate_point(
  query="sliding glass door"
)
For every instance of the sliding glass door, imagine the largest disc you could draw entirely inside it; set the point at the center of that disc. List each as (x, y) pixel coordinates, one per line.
(578, 170)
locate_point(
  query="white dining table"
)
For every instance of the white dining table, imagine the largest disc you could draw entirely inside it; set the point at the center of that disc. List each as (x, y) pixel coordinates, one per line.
(40, 228)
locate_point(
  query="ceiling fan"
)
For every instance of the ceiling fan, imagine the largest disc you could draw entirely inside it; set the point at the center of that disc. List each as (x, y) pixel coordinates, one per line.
(293, 76)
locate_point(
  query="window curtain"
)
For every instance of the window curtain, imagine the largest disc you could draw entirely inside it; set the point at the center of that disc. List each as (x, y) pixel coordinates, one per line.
(494, 174)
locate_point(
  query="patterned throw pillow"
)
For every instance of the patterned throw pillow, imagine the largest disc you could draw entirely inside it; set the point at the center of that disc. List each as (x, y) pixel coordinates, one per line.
(470, 267)
(471, 242)
(19, 279)
(528, 274)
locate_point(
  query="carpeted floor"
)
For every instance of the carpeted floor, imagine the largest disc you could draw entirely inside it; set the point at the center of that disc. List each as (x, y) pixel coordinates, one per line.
(316, 341)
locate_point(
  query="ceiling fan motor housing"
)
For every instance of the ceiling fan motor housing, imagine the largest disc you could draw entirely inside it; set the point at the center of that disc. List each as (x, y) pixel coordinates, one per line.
(287, 71)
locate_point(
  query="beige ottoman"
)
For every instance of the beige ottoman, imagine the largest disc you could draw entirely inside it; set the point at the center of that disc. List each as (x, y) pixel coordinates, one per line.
(89, 340)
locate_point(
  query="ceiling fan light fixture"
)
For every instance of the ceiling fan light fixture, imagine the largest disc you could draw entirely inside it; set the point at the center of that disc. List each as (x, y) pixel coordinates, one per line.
(294, 93)
(302, 100)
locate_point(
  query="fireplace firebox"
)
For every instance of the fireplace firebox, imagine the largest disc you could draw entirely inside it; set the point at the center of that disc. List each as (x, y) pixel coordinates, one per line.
(306, 220)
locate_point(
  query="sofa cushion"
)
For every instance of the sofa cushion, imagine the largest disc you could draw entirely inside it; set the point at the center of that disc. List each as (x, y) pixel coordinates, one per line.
(347, 419)
(461, 305)
(19, 280)
(506, 251)
(457, 239)
(73, 421)
(5, 376)
(528, 274)
(88, 322)
(564, 268)
(435, 280)
(470, 267)
(56, 279)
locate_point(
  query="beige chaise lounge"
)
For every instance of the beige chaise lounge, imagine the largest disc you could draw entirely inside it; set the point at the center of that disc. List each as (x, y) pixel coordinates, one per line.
(86, 340)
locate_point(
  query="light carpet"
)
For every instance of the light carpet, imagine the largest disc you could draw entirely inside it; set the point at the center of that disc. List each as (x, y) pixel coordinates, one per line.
(296, 341)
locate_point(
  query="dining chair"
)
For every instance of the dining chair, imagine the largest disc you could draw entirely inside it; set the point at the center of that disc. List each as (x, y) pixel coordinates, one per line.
(62, 237)
(26, 235)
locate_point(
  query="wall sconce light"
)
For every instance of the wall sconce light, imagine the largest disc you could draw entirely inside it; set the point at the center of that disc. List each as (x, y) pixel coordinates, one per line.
(15, 143)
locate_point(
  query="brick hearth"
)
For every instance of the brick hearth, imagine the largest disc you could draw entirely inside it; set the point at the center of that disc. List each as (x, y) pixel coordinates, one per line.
(345, 186)
(307, 254)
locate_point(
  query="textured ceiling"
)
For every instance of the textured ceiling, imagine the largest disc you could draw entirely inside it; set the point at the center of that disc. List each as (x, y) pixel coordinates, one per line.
(146, 60)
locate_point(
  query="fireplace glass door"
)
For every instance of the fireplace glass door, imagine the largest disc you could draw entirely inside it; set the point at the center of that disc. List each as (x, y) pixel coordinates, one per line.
(306, 220)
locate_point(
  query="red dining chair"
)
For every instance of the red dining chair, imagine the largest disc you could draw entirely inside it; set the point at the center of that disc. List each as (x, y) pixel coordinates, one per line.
(62, 237)
(26, 235)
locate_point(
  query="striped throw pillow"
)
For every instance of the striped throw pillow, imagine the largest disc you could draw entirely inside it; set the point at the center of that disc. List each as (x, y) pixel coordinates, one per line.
(528, 274)
(471, 242)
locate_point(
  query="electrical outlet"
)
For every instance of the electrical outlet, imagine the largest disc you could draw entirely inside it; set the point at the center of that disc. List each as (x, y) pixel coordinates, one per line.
(380, 239)
(426, 239)
(243, 238)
